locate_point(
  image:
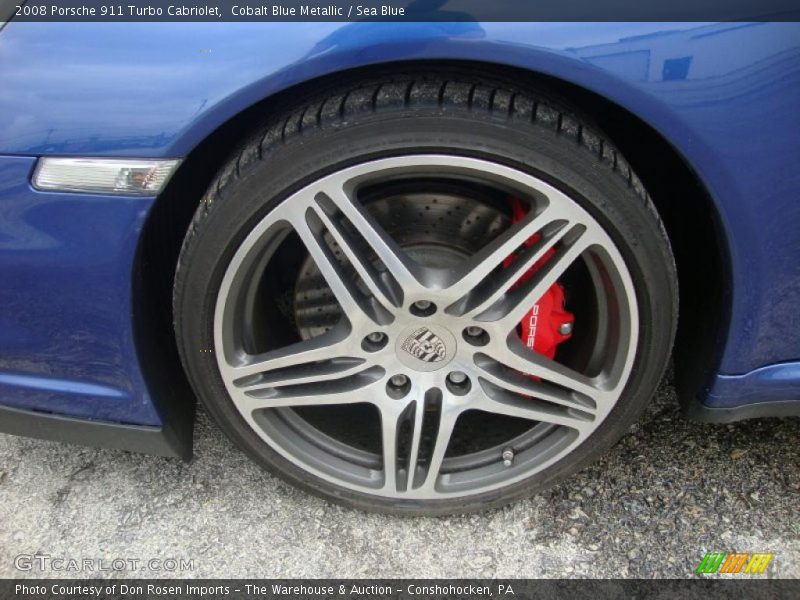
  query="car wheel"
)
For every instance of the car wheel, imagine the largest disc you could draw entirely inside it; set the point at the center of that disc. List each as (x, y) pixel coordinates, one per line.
(426, 295)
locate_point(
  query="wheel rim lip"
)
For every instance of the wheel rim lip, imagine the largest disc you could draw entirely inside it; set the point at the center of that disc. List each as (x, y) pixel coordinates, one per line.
(419, 164)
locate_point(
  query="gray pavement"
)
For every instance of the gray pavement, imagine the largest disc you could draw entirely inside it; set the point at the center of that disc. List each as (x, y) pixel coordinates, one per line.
(667, 493)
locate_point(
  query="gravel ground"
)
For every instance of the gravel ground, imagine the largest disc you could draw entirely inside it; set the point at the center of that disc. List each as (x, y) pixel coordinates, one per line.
(667, 493)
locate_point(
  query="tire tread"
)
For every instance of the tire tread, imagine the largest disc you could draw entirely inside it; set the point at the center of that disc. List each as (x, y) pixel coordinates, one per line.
(334, 110)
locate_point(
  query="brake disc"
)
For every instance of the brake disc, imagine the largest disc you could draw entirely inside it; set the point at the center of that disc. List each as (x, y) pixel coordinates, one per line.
(435, 229)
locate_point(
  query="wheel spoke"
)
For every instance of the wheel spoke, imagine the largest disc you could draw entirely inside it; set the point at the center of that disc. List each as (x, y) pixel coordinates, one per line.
(404, 272)
(490, 290)
(337, 343)
(510, 309)
(390, 425)
(419, 465)
(447, 423)
(501, 401)
(416, 436)
(326, 370)
(522, 359)
(362, 387)
(523, 385)
(385, 289)
(394, 417)
(475, 270)
(315, 371)
(353, 302)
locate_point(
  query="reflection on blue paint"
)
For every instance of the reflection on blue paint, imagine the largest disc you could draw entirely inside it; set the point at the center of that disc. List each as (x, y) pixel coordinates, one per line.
(725, 95)
(676, 69)
(63, 386)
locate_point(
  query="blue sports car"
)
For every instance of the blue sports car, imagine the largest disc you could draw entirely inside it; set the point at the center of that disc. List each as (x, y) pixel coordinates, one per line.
(417, 268)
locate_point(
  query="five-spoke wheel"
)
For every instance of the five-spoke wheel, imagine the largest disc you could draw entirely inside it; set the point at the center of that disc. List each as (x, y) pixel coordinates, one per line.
(373, 284)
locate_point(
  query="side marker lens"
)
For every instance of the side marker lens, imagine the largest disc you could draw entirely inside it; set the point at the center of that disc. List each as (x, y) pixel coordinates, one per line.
(103, 176)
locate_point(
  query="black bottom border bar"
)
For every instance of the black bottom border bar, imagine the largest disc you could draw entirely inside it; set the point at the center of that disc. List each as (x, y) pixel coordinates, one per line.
(400, 589)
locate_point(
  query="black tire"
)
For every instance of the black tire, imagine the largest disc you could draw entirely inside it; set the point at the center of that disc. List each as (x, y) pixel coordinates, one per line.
(455, 113)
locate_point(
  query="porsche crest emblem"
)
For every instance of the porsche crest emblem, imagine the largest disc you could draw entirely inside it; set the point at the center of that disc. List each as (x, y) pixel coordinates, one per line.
(425, 345)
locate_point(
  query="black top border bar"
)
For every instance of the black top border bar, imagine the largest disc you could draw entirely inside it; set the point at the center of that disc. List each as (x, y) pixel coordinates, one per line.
(397, 10)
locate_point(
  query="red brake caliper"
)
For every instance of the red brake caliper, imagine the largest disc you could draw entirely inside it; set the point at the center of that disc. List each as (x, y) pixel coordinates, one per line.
(547, 323)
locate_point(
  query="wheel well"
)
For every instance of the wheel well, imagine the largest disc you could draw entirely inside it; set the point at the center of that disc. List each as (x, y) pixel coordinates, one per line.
(683, 203)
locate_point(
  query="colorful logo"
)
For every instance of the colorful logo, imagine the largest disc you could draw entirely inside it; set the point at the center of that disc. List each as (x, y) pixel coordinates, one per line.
(734, 562)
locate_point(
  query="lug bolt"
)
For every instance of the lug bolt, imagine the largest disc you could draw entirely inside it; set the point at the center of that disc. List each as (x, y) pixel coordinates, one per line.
(376, 337)
(457, 377)
(508, 457)
(398, 381)
(565, 328)
(374, 341)
(475, 336)
(422, 308)
(422, 304)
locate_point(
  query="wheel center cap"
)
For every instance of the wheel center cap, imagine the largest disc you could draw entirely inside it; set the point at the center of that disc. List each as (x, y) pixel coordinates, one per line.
(425, 347)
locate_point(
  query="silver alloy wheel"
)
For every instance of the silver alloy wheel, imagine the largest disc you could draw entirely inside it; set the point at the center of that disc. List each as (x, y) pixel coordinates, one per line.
(424, 314)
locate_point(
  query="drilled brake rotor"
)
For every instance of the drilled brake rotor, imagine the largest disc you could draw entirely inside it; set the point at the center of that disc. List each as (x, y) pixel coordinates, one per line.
(435, 229)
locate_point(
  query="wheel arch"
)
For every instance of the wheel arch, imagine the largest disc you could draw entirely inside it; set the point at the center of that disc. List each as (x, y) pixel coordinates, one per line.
(684, 203)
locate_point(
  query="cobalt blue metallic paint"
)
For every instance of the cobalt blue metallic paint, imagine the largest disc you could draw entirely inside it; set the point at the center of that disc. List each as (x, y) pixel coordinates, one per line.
(771, 383)
(726, 96)
(66, 263)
